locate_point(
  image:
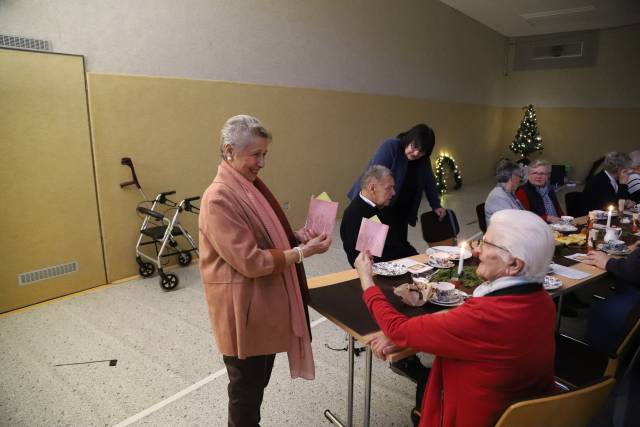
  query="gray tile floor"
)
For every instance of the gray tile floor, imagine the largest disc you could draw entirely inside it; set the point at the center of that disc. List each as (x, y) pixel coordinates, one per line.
(169, 371)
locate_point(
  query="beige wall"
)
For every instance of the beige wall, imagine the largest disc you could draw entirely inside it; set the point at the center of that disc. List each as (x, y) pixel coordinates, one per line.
(48, 210)
(322, 141)
(578, 136)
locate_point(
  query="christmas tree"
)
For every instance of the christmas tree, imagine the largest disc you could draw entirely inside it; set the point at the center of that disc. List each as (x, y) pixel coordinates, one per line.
(527, 139)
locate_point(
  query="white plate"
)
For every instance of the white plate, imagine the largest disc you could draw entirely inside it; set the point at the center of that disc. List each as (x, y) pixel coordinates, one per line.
(454, 251)
(564, 228)
(389, 269)
(450, 264)
(552, 283)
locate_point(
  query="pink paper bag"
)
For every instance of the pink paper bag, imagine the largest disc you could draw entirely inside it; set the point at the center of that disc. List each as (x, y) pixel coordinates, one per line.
(371, 237)
(321, 217)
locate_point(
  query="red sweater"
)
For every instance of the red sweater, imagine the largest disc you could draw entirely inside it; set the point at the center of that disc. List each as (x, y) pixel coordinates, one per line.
(490, 351)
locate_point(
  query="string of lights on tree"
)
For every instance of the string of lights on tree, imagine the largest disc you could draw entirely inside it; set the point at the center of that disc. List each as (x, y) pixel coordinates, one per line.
(527, 139)
(445, 160)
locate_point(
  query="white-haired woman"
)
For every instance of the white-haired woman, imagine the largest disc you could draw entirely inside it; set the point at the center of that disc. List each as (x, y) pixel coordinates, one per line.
(250, 263)
(537, 196)
(496, 347)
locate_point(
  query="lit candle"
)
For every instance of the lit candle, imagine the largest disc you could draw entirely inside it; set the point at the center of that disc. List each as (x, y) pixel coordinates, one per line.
(461, 260)
(609, 217)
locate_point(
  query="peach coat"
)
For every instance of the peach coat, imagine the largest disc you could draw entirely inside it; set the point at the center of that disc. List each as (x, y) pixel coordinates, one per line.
(242, 274)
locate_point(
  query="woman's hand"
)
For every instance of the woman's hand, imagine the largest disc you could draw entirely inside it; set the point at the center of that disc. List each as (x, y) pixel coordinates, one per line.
(364, 267)
(441, 212)
(381, 346)
(552, 219)
(597, 258)
(304, 234)
(316, 245)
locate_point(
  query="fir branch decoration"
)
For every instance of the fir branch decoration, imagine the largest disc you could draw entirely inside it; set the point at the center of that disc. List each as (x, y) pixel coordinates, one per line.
(444, 160)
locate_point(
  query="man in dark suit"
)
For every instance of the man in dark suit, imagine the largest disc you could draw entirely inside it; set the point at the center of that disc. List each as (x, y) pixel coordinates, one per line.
(376, 191)
(609, 185)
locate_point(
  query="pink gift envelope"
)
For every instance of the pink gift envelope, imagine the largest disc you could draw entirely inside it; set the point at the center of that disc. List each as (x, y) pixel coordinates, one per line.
(371, 237)
(321, 217)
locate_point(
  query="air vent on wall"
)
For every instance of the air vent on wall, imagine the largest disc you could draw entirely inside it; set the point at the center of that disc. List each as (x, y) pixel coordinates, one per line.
(48, 273)
(24, 43)
(563, 50)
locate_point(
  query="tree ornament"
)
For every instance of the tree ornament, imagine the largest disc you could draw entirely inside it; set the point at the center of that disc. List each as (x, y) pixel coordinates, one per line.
(448, 161)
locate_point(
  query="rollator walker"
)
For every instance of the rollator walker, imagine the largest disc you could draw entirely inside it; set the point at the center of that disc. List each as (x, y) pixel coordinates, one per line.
(162, 231)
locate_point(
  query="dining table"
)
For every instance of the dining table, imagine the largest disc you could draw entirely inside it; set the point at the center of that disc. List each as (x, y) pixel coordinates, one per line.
(338, 297)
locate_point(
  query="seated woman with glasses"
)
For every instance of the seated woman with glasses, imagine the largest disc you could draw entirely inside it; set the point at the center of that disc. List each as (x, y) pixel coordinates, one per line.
(495, 348)
(508, 175)
(537, 195)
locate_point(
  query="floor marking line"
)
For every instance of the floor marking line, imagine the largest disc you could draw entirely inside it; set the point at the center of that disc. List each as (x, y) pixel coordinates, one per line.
(186, 391)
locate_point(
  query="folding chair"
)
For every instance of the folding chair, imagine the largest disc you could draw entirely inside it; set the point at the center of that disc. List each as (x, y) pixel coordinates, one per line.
(436, 232)
(482, 218)
(572, 408)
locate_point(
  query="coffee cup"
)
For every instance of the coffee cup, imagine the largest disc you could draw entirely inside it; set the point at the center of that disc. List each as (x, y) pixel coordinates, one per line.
(616, 245)
(621, 203)
(638, 208)
(566, 219)
(441, 258)
(445, 291)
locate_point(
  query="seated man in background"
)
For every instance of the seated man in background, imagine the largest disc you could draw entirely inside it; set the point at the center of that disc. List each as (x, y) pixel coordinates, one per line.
(605, 188)
(508, 175)
(376, 192)
(495, 348)
(537, 196)
(633, 185)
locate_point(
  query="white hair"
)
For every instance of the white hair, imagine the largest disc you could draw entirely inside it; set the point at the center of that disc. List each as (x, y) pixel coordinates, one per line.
(635, 158)
(238, 130)
(527, 237)
(374, 172)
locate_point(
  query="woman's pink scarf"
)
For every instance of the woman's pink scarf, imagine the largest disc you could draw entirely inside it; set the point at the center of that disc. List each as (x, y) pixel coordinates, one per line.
(299, 352)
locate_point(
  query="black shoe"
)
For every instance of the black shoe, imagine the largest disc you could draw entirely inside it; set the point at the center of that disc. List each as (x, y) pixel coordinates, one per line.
(409, 367)
(415, 417)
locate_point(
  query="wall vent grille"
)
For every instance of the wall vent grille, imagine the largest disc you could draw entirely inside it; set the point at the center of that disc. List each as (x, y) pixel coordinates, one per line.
(24, 43)
(47, 273)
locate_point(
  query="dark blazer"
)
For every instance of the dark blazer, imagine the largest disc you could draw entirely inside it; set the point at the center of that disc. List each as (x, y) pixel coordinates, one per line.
(626, 269)
(598, 194)
(532, 200)
(394, 247)
(391, 154)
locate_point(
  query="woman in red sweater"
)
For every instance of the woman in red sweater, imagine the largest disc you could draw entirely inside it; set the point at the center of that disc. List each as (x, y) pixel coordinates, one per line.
(497, 347)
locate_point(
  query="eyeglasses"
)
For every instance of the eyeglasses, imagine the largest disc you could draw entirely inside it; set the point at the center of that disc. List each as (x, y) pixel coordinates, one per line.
(539, 173)
(488, 243)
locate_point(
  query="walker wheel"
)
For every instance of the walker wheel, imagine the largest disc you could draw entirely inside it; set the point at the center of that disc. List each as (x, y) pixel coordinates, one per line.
(184, 258)
(168, 281)
(146, 269)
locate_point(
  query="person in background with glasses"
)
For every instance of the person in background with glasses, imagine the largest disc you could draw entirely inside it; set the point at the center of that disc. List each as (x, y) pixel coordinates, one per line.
(407, 156)
(508, 175)
(537, 195)
(495, 348)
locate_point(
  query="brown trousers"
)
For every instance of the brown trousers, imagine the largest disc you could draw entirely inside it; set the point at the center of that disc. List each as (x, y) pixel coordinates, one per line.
(247, 380)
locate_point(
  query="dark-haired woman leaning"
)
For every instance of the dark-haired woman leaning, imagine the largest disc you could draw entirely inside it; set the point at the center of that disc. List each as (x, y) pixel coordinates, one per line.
(407, 155)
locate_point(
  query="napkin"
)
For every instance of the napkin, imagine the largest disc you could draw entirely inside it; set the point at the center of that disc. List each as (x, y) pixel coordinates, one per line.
(415, 295)
(576, 257)
(569, 272)
(375, 219)
(371, 237)
(321, 217)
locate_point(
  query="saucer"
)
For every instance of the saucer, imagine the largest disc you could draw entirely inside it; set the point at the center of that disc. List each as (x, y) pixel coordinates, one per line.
(453, 303)
(564, 228)
(551, 283)
(625, 251)
(453, 251)
(449, 264)
(389, 269)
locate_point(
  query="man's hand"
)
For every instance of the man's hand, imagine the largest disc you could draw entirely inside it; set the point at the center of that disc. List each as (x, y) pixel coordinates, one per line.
(441, 212)
(364, 267)
(597, 258)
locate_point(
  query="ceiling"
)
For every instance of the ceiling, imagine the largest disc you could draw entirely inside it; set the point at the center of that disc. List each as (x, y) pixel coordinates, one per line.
(514, 18)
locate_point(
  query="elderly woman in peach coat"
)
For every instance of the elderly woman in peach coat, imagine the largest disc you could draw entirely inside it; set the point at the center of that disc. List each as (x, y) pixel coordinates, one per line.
(251, 268)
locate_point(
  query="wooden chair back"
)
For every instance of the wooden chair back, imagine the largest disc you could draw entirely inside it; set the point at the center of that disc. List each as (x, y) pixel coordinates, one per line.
(573, 408)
